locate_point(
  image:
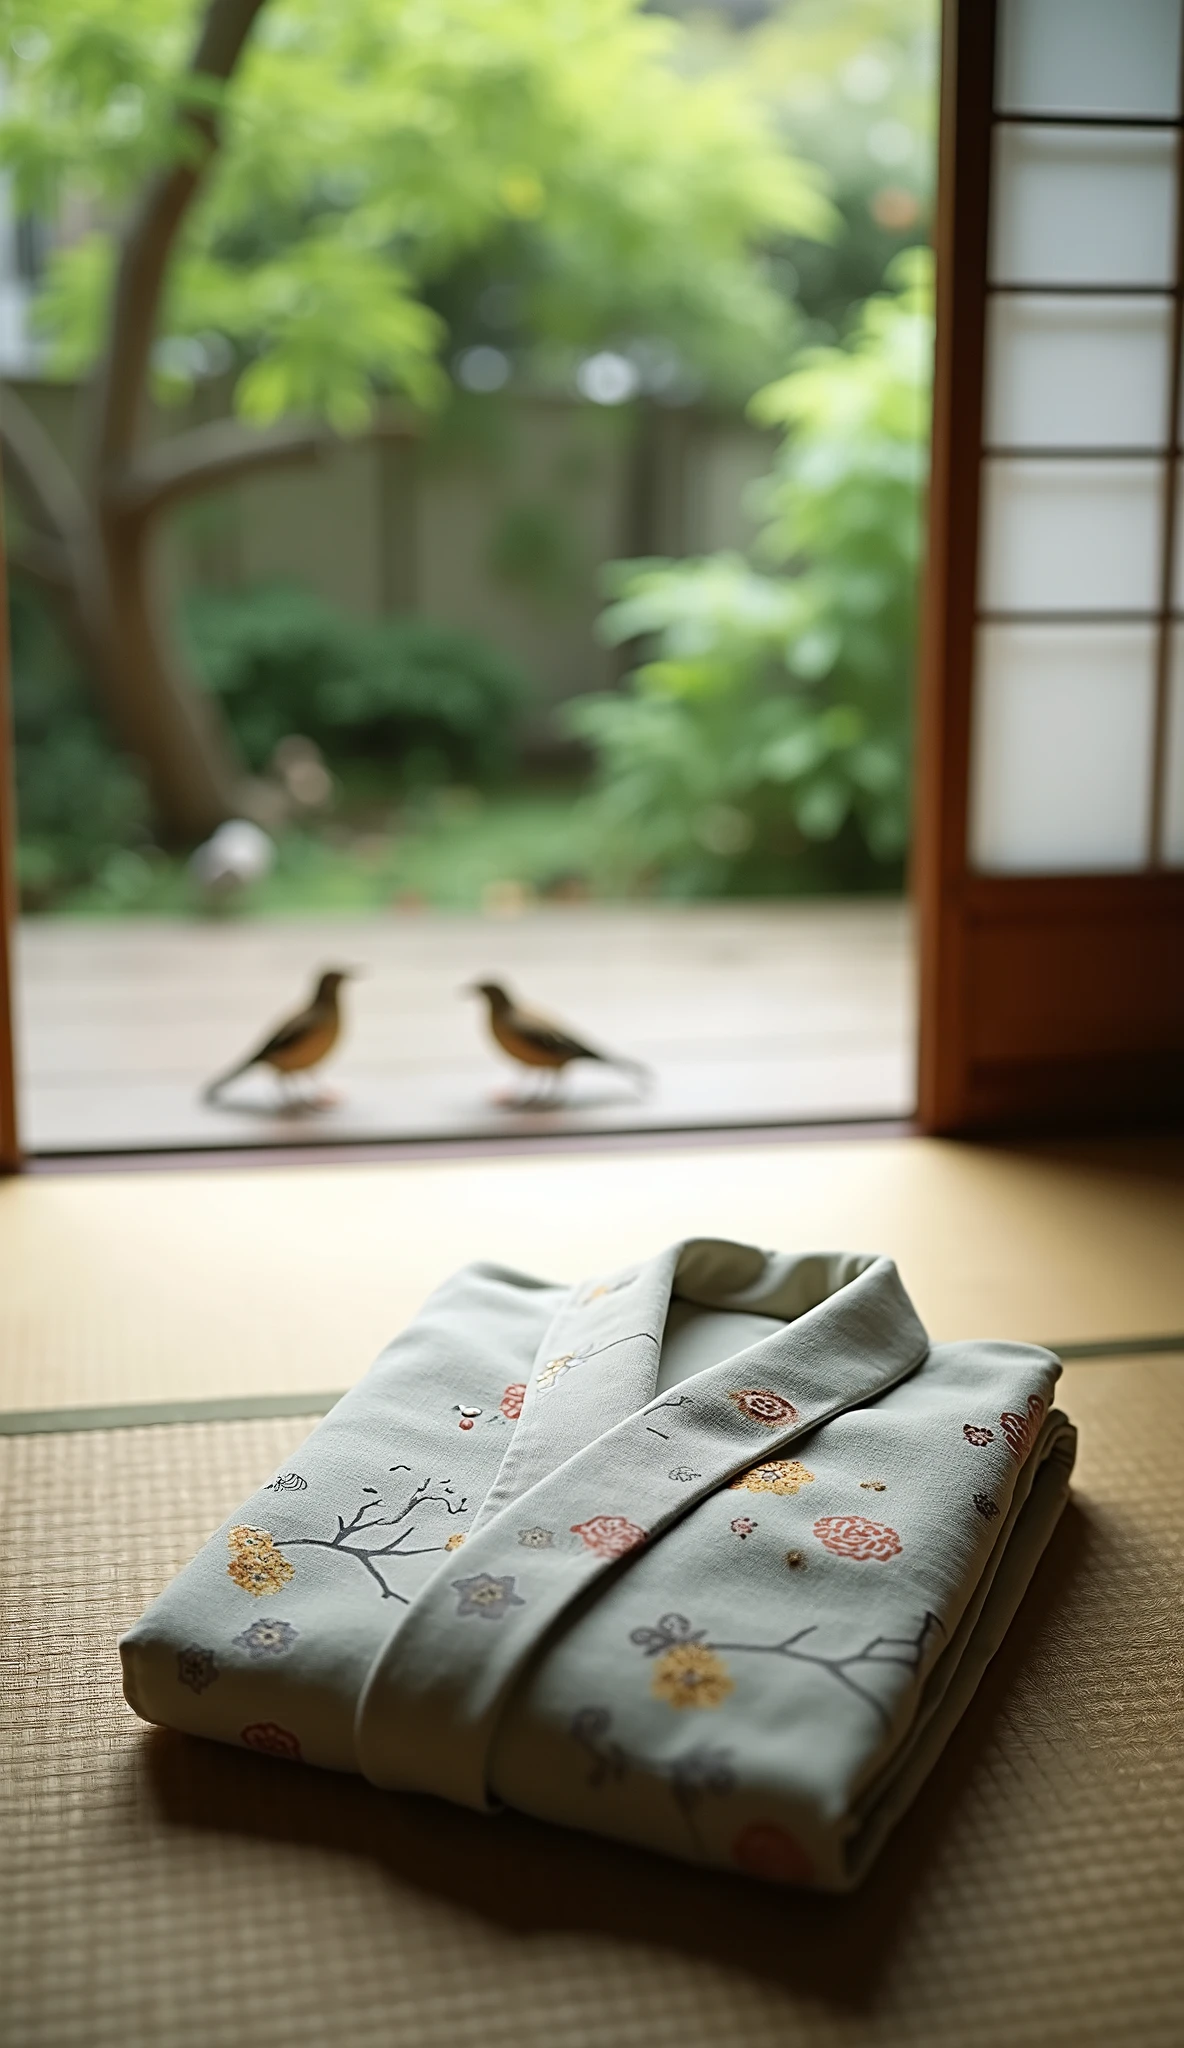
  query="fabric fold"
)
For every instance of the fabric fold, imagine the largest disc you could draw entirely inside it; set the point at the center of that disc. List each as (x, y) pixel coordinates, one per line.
(535, 1559)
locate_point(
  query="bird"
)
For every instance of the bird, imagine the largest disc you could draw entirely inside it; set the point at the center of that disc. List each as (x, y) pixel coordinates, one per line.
(302, 1042)
(539, 1042)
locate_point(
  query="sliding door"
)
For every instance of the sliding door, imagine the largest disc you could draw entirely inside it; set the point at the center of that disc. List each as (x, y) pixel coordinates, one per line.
(1050, 856)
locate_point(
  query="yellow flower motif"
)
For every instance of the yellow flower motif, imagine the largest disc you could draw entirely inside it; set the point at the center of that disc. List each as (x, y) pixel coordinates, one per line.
(691, 1675)
(554, 1367)
(256, 1564)
(454, 1542)
(778, 1475)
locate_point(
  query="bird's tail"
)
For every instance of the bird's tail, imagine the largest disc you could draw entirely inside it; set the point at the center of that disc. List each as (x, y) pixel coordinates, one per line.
(213, 1089)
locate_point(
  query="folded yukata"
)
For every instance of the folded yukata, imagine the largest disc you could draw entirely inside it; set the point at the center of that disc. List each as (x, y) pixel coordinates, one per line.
(708, 1554)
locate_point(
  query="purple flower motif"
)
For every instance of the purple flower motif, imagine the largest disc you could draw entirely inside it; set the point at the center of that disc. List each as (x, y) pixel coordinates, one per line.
(536, 1538)
(742, 1526)
(196, 1667)
(267, 1638)
(484, 1595)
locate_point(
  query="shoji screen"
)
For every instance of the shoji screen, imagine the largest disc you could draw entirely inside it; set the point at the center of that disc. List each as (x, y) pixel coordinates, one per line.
(1051, 828)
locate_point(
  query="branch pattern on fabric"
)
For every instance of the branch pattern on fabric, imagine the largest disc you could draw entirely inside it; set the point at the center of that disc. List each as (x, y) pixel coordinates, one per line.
(674, 1633)
(692, 1776)
(369, 1520)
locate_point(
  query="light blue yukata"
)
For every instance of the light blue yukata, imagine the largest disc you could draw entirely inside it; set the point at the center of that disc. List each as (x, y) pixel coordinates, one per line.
(708, 1554)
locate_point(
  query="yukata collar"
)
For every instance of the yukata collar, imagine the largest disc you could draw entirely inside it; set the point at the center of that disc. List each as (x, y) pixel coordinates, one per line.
(602, 1466)
(845, 1313)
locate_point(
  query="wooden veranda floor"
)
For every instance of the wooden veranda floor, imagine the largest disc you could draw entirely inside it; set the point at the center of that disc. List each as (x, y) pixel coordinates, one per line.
(747, 1014)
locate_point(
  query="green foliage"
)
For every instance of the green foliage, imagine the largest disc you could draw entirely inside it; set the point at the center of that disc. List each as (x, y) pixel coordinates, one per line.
(773, 715)
(377, 149)
(82, 810)
(430, 701)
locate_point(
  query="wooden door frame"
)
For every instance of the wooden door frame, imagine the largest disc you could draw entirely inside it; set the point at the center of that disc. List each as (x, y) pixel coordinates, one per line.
(10, 1149)
(1049, 999)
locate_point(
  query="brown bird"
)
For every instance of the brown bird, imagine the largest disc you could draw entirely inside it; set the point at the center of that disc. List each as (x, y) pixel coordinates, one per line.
(302, 1042)
(539, 1042)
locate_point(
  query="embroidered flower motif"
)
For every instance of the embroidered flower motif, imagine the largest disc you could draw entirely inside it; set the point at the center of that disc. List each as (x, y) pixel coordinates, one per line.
(511, 1401)
(468, 1416)
(609, 1535)
(872, 1485)
(1020, 1430)
(976, 1434)
(777, 1475)
(267, 1638)
(272, 1740)
(683, 1472)
(536, 1539)
(555, 1368)
(795, 1560)
(604, 1287)
(484, 1595)
(763, 1406)
(987, 1508)
(691, 1675)
(743, 1526)
(287, 1482)
(765, 1850)
(853, 1536)
(454, 1542)
(196, 1667)
(255, 1563)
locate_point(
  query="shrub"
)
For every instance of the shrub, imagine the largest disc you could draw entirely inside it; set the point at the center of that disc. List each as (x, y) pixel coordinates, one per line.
(765, 743)
(429, 700)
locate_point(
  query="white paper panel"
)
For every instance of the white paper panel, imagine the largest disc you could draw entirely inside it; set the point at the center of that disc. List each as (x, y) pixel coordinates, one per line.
(1061, 765)
(1089, 56)
(1071, 536)
(1078, 373)
(1082, 206)
(1173, 821)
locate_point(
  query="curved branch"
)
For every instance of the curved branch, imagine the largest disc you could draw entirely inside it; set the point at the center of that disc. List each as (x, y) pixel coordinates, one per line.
(207, 459)
(148, 239)
(40, 476)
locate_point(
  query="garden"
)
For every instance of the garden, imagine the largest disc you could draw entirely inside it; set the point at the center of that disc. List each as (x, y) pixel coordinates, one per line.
(465, 456)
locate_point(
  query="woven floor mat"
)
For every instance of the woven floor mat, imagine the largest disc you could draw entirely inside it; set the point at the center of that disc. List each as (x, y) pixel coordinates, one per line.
(158, 1890)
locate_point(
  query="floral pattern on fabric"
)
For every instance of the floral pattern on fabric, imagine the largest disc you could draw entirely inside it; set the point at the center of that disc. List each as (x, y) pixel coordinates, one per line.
(555, 1369)
(690, 1675)
(256, 1564)
(855, 1536)
(683, 1473)
(691, 1776)
(536, 1538)
(267, 1638)
(742, 1526)
(674, 1633)
(763, 1849)
(761, 1405)
(468, 1416)
(491, 1598)
(796, 1561)
(987, 1508)
(872, 1486)
(287, 1482)
(976, 1434)
(609, 1535)
(366, 1536)
(456, 1541)
(1020, 1431)
(196, 1667)
(776, 1475)
(272, 1740)
(511, 1401)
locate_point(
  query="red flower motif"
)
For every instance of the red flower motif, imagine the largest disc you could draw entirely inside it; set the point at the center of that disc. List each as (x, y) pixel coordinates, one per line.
(1020, 1430)
(976, 1434)
(765, 1850)
(272, 1740)
(609, 1535)
(512, 1399)
(854, 1536)
(760, 1404)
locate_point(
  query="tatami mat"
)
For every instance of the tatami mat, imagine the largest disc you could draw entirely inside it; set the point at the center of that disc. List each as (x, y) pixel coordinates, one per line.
(161, 1891)
(165, 1287)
